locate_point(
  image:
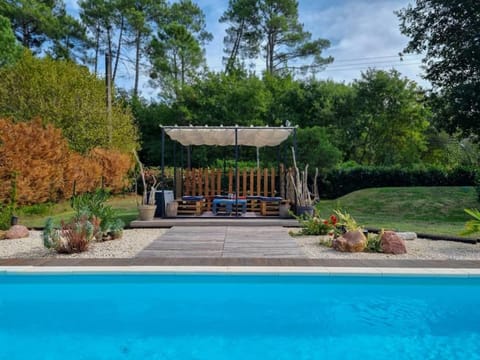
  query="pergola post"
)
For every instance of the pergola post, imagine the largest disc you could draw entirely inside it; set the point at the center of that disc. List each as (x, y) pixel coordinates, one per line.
(162, 202)
(236, 171)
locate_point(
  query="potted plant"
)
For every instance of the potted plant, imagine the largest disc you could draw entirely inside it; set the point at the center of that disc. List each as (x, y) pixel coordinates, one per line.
(147, 206)
(304, 198)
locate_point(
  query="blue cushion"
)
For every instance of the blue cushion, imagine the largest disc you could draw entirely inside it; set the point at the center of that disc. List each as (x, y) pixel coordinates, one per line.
(192, 198)
(271, 198)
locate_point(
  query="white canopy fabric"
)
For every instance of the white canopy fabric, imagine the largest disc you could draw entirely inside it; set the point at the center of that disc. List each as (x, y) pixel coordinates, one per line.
(225, 136)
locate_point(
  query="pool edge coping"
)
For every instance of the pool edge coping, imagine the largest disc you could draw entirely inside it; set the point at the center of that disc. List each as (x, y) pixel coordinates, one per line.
(241, 270)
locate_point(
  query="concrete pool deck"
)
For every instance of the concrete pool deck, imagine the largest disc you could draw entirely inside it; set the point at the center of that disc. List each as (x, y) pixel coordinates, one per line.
(241, 270)
(333, 267)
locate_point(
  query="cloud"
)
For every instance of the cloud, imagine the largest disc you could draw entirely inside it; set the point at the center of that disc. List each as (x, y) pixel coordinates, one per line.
(364, 33)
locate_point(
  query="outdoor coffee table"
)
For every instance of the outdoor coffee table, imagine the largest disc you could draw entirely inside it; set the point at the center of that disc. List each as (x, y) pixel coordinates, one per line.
(229, 204)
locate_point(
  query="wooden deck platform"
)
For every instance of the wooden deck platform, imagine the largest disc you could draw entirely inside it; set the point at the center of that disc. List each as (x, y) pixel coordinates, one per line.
(215, 221)
(224, 242)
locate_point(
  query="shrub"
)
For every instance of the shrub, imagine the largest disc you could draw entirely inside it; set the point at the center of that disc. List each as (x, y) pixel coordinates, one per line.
(37, 154)
(373, 242)
(92, 206)
(81, 175)
(339, 182)
(47, 170)
(73, 237)
(314, 225)
(114, 167)
(5, 217)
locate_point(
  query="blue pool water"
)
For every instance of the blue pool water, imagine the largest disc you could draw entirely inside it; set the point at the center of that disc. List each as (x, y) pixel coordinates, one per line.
(238, 317)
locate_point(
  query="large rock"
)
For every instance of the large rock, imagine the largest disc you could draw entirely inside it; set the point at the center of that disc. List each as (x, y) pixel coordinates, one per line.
(391, 243)
(17, 232)
(351, 241)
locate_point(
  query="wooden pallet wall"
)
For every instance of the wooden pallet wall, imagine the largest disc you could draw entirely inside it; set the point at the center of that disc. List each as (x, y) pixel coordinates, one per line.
(208, 182)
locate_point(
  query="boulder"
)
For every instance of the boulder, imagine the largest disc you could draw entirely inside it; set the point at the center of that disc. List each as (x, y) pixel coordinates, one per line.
(351, 241)
(407, 235)
(391, 243)
(17, 232)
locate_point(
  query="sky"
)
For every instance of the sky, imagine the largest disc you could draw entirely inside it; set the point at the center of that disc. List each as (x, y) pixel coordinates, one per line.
(363, 34)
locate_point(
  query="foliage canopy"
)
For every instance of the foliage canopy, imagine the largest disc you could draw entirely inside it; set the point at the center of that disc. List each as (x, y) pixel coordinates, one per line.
(67, 96)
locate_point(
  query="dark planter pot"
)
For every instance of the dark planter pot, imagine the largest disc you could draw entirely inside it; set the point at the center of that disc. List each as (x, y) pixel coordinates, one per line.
(305, 210)
(14, 221)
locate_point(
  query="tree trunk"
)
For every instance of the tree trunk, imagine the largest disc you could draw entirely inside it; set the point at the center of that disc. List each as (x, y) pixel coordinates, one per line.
(235, 50)
(137, 63)
(270, 50)
(119, 46)
(97, 48)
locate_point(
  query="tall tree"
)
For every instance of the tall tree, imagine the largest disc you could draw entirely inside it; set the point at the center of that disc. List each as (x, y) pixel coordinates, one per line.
(10, 51)
(107, 22)
(140, 16)
(70, 41)
(44, 25)
(447, 33)
(273, 27)
(94, 15)
(33, 21)
(243, 34)
(176, 52)
(389, 122)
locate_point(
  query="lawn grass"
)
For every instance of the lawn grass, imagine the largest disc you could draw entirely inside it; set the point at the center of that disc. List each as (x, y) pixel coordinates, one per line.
(124, 205)
(432, 210)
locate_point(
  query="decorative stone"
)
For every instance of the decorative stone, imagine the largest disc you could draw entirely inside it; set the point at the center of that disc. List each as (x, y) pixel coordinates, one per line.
(351, 241)
(17, 232)
(407, 235)
(391, 243)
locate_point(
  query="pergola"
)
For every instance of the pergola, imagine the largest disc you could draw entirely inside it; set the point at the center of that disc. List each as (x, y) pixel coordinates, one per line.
(257, 136)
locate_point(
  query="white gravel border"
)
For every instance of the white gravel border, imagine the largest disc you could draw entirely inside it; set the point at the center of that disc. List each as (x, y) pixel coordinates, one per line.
(132, 242)
(135, 240)
(418, 249)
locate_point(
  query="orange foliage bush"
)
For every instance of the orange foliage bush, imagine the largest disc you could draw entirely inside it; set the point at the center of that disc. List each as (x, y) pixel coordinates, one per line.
(47, 169)
(37, 154)
(115, 166)
(83, 172)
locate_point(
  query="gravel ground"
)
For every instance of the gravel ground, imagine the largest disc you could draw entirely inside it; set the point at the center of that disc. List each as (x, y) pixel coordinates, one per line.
(134, 240)
(416, 249)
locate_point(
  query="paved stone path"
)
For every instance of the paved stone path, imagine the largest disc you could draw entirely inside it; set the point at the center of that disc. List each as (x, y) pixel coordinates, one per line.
(224, 242)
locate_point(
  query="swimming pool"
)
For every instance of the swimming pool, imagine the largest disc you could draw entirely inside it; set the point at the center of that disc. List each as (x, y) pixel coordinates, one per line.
(154, 316)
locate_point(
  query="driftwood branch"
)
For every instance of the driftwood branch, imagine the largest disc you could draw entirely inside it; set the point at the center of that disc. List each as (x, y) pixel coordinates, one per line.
(300, 184)
(146, 200)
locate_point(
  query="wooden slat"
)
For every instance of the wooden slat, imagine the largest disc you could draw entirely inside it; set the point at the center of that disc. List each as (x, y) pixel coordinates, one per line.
(265, 182)
(259, 182)
(178, 183)
(219, 182)
(244, 192)
(230, 180)
(282, 180)
(272, 182)
(212, 181)
(207, 189)
(188, 182)
(252, 183)
(200, 181)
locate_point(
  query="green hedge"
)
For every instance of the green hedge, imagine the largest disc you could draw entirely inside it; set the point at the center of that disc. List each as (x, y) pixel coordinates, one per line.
(339, 182)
